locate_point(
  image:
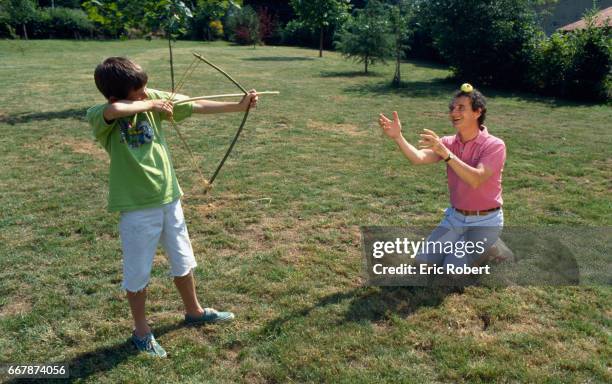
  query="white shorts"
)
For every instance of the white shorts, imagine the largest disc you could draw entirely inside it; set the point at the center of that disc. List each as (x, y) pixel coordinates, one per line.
(141, 231)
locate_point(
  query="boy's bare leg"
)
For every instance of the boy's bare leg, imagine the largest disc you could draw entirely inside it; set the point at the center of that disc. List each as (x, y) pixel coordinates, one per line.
(186, 287)
(137, 306)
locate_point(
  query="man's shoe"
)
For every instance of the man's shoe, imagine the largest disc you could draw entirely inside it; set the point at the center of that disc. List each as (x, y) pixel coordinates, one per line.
(209, 316)
(148, 345)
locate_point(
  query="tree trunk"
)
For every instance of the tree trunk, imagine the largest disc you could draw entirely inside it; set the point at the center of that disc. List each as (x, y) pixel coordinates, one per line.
(171, 62)
(25, 31)
(366, 65)
(321, 42)
(397, 79)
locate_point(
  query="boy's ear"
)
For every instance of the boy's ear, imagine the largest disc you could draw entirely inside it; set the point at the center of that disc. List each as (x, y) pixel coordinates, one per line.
(112, 99)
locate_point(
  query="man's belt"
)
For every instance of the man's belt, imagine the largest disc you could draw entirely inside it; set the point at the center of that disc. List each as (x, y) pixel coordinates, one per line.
(476, 213)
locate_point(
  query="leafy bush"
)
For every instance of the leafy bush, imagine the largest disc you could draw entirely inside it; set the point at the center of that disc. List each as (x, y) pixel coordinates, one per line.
(206, 23)
(589, 77)
(575, 65)
(63, 23)
(485, 41)
(216, 28)
(267, 25)
(550, 65)
(242, 25)
(58, 23)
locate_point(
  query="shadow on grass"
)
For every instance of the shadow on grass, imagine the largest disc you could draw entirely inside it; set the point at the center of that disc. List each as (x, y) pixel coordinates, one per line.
(546, 100)
(350, 74)
(278, 58)
(102, 359)
(425, 64)
(26, 117)
(445, 87)
(372, 304)
(440, 87)
(377, 305)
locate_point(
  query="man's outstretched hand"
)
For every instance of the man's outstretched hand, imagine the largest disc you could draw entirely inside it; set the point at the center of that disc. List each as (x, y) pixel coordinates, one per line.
(430, 140)
(393, 129)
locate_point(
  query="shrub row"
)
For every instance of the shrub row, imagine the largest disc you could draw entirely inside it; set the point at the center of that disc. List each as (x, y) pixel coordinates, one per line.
(575, 65)
(52, 23)
(499, 43)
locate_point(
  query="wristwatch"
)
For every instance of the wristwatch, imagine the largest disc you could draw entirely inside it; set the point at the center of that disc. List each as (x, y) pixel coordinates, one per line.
(449, 158)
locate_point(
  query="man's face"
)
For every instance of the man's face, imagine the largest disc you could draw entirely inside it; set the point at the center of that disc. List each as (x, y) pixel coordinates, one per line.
(461, 114)
(138, 94)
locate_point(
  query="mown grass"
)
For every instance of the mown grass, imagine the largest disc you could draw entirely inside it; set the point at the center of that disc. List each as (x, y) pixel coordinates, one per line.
(277, 240)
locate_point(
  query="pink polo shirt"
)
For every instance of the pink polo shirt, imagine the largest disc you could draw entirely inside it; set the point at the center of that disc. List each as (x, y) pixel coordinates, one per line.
(484, 149)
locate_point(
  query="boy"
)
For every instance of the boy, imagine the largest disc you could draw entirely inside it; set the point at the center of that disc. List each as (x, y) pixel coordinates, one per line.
(474, 165)
(144, 189)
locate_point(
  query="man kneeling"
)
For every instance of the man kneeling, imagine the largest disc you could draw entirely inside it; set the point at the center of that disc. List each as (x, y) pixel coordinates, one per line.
(474, 164)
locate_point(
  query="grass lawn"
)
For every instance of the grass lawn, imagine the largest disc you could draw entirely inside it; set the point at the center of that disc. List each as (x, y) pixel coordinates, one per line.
(277, 240)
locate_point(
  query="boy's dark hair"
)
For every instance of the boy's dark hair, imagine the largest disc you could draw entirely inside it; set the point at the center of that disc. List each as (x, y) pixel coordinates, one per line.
(118, 76)
(478, 101)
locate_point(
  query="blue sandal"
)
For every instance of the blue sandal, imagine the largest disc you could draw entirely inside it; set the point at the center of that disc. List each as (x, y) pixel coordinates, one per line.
(209, 316)
(148, 345)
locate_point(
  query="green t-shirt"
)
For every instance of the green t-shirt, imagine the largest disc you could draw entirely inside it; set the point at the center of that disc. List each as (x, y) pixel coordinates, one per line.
(141, 171)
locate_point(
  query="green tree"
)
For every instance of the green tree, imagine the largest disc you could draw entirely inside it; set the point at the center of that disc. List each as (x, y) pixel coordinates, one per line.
(169, 16)
(485, 41)
(366, 37)
(400, 18)
(20, 12)
(320, 14)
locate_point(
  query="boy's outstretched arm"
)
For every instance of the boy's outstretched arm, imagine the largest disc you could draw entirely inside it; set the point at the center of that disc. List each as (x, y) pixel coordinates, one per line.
(393, 129)
(124, 108)
(208, 107)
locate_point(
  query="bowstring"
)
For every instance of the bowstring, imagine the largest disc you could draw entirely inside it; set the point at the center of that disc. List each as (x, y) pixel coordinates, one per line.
(192, 67)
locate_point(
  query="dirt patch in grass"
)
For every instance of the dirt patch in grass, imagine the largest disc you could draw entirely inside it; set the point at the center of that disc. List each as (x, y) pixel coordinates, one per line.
(462, 317)
(207, 209)
(196, 200)
(53, 144)
(16, 306)
(22, 235)
(86, 147)
(350, 129)
(275, 233)
(337, 98)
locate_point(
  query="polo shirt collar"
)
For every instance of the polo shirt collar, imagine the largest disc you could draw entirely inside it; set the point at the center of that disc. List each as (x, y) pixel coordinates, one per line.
(483, 133)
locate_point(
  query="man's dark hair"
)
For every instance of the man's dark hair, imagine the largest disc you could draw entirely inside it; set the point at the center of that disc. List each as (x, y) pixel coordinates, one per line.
(478, 101)
(118, 76)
